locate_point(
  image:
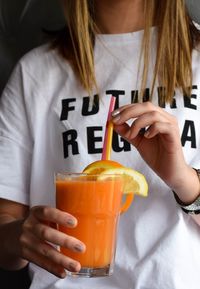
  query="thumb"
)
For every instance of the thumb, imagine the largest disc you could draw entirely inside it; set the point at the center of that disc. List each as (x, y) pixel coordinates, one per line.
(122, 130)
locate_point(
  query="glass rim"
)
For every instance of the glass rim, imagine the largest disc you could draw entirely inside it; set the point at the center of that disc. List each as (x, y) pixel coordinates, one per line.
(72, 174)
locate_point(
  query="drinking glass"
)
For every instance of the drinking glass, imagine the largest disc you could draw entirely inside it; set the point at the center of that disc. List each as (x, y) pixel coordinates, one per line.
(96, 202)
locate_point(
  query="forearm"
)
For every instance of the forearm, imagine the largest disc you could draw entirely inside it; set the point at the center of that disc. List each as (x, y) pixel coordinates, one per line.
(10, 230)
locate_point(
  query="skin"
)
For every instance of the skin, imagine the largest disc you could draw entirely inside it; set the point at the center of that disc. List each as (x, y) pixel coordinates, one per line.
(26, 234)
(160, 146)
(111, 21)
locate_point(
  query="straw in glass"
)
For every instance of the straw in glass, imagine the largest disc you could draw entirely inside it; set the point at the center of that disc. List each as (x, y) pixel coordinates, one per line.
(107, 145)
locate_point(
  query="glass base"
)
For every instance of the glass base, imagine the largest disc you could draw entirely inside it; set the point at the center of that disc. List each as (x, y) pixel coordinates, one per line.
(93, 272)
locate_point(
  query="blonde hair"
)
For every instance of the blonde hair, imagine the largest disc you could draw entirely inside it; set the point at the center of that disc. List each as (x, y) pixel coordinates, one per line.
(177, 36)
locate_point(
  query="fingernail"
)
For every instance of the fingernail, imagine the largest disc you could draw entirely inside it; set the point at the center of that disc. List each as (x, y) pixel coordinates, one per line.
(115, 113)
(71, 222)
(72, 267)
(116, 119)
(115, 116)
(79, 248)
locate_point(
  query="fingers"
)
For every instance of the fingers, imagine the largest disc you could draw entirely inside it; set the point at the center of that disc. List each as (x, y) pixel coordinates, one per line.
(45, 233)
(134, 111)
(160, 128)
(143, 116)
(53, 215)
(147, 120)
(37, 237)
(47, 257)
(122, 129)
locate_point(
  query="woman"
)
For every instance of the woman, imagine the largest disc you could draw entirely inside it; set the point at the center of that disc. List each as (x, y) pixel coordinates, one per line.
(145, 54)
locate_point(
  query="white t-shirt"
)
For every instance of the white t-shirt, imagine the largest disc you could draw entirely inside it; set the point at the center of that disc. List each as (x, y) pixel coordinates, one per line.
(48, 123)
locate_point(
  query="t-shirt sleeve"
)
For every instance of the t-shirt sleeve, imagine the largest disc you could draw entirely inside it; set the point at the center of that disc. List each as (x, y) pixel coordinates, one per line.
(15, 140)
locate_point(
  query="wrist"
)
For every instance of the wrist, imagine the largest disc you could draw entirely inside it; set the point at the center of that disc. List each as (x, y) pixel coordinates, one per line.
(188, 190)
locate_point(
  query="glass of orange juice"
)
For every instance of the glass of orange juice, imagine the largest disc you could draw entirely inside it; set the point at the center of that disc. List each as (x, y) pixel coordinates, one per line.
(96, 203)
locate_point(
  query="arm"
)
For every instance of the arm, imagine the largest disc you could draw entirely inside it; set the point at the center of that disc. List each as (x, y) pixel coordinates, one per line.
(25, 233)
(160, 147)
(11, 218)
(27, 236)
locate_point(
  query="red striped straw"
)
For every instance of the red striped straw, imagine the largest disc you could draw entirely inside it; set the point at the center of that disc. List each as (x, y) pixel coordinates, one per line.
(108, 136)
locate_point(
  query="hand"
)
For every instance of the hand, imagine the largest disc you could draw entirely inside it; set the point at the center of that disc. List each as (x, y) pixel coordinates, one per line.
(37, 237)
(160, 145)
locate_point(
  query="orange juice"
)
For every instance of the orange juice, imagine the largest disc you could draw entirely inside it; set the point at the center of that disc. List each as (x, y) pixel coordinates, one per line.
(96, 205)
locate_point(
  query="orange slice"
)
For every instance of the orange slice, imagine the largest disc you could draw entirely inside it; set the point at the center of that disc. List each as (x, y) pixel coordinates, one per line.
(98, 167)
(134, 181)
(127, 203)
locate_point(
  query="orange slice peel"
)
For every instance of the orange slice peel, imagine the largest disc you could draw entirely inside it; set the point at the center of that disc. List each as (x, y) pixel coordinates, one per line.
(134, 181)
(98, 167)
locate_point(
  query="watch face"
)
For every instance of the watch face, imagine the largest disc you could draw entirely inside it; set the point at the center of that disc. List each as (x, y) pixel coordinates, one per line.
(194, 9)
